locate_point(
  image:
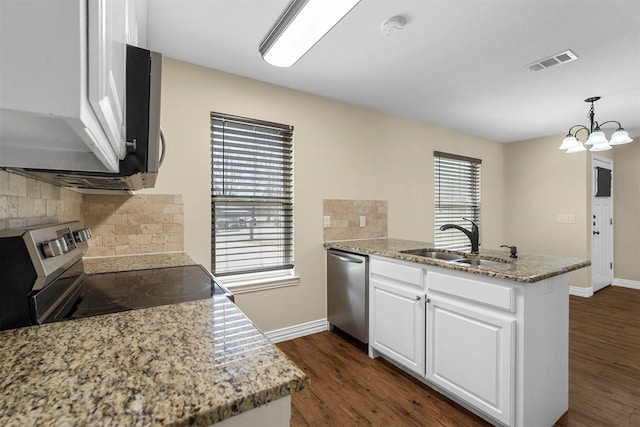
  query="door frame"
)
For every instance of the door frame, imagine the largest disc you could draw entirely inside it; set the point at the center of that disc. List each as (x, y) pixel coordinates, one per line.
(604, 161)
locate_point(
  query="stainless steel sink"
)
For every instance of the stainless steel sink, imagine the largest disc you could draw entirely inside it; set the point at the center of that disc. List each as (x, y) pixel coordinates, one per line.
(479, 262)
(456, 258)
(427, 253)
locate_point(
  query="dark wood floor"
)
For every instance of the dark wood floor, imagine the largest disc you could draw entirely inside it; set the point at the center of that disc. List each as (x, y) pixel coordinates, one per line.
(348, 388)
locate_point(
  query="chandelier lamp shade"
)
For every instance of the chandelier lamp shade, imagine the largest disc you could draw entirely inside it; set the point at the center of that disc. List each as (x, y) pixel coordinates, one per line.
(300, 27)
(596, 138)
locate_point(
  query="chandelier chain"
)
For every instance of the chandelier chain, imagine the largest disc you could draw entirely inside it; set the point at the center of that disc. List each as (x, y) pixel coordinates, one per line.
(591, 116)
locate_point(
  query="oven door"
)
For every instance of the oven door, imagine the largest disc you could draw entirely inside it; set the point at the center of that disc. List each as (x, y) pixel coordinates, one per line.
(56, 301)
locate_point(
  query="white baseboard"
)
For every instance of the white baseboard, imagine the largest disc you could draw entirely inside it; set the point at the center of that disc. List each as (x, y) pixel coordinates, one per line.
(580, 291)
(588, 292)
(297, 331)
(633, 284)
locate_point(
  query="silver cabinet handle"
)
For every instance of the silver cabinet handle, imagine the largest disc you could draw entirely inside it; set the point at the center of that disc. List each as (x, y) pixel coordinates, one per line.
(163, 145)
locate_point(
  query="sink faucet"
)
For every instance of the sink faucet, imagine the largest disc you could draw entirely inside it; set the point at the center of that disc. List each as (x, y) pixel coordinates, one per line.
(473, 235)
(514, 250)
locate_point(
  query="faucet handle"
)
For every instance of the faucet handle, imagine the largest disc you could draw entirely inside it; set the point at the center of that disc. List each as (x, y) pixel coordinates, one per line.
(514, 250)
(472, 223)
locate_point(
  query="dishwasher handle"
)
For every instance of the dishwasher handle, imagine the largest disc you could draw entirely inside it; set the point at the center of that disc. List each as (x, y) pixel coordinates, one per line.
(346, 258)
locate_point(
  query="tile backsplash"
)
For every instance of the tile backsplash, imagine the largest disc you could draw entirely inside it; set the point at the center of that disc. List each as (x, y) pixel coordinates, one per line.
(345, 219)
(134, 224)
(121, 224)
(26, 202)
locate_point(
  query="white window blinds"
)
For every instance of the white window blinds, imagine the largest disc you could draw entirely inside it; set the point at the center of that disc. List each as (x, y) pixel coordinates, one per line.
(457, 196)
(251, 195)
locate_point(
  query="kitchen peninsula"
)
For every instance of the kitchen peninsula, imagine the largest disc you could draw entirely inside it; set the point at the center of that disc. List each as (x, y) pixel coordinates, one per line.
(193, 363)
(487, 330)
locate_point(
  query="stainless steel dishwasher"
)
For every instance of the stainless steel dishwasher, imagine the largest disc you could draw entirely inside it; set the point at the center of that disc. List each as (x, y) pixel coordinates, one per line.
(348, 293)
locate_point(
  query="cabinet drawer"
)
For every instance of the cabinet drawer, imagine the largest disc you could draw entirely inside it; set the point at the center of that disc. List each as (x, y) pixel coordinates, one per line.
(483, 292)
(397, 271)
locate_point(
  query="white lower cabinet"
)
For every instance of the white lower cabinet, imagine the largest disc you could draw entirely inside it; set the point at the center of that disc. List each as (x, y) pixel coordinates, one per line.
(398, 325)
(471, 354)
(499, 347)
(397, 313)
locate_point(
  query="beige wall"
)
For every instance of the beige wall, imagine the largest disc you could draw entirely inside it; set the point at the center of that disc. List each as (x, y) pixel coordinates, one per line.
(626, 211)
(346, 152)
(542, 182)
(341, 152)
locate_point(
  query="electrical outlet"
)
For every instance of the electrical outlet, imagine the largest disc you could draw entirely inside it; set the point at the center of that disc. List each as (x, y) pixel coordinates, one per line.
(327, 221)
(363, 221)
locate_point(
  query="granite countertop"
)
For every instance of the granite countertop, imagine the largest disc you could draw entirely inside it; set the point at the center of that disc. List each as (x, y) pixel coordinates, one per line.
(527, 268)
(192, 363)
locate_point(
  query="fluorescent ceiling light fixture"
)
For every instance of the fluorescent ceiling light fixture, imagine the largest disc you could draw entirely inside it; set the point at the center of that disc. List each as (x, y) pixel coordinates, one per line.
(301, 26)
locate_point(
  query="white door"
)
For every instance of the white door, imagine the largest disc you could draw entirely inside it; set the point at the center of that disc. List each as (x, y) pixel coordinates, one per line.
(601, 224)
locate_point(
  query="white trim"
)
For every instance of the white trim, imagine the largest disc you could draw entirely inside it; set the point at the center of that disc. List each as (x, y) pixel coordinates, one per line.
(624, 283)
(243, 283)
(297, 331)
(580, 291)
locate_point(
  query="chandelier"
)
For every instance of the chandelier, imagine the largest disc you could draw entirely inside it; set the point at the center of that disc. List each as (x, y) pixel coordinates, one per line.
(595, 136)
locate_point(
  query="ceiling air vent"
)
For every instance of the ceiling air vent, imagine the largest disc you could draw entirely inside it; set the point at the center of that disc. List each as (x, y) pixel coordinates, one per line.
(558, 58)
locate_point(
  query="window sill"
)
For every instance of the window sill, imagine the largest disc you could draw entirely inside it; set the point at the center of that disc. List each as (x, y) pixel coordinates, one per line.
(244, 283)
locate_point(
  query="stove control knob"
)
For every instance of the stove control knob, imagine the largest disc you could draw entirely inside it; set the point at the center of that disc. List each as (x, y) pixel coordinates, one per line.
(63, 244)
(82, 235)
(52, 248)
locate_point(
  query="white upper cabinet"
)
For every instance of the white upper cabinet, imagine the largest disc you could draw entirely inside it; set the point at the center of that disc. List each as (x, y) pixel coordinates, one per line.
(62, 83)
(106, 72)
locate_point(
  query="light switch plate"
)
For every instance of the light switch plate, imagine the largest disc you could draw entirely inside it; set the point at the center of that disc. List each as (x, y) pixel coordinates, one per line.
(363, 221)
(566, 218)
(327, 221)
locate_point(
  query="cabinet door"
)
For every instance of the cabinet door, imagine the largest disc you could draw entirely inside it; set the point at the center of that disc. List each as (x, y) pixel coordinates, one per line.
(471, 354)
(106, 68)
(397, 325)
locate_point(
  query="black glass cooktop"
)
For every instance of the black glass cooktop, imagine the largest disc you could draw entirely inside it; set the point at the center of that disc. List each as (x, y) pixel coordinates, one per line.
(129, 290)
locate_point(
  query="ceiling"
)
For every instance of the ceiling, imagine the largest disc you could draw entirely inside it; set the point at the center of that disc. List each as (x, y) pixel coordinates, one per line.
(458, 64)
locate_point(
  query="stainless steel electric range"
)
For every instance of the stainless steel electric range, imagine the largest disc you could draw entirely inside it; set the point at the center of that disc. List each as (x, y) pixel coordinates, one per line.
(42, 279)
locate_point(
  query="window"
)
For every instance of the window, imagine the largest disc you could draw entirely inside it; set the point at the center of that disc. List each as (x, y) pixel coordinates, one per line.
(251, 195)
(457, 196)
